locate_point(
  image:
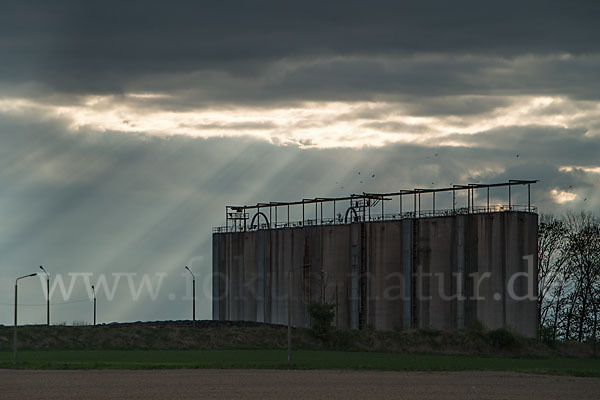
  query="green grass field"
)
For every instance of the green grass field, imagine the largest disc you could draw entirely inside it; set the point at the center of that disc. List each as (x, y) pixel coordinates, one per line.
(302, 359)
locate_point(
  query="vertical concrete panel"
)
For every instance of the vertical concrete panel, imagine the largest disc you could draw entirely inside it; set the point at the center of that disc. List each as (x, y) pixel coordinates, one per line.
(276, 262)
(230, 275)
(236, 274)
(236, 304)
(521, 271)
(488, 284)
(280, 282)
(407, 268)
(471, 247)
(250, 277)
(373, 249)
(422, 295)
(355, 250)
(437, 264)
(272, 278)
(530, 318)
(287, 255)
(364, 315)
(386, 281)
(268, 270)
(460, 270)
(227, 272)
(279, 277)
(301, 274)
(223, 278)
(260, 275)
(513, 253)
(216, 277)
(336, 261)
(215, 274)
(313, 284)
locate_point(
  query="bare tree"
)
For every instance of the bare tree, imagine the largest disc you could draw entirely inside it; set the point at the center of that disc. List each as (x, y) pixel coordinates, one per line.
(569, 276)
(583, 264)
(552, 258)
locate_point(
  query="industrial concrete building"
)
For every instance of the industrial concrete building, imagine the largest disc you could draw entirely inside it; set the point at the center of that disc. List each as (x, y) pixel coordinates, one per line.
(440, 268)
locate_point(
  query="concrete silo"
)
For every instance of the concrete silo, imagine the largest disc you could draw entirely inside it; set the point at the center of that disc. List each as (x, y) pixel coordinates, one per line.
(440, 268)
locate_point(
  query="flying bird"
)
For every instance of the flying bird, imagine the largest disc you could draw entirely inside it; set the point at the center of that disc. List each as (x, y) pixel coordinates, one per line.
(517, 156)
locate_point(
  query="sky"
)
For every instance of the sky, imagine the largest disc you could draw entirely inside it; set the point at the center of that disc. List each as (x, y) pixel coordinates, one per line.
(125, 129)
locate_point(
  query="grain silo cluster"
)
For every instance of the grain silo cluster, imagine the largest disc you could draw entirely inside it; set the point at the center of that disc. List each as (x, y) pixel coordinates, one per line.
(383, 260)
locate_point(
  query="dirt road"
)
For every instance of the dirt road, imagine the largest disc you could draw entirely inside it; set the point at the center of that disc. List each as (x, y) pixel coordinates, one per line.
(278, 384)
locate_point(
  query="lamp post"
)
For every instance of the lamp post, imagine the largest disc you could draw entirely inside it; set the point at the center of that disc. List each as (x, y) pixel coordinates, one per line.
(47, 296)
(94, 292)
(193, 296)
(15, 329)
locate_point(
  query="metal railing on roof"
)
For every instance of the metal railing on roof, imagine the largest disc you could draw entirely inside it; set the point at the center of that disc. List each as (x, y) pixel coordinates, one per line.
(358, 206)
(381, 217)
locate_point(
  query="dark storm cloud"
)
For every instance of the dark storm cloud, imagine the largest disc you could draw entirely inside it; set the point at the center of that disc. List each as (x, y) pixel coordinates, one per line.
(570, 146)
(426, 80)
(423, 85)
(104, 46)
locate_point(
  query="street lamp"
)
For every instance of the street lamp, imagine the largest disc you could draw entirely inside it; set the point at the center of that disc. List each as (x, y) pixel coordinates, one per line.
(94, 292)
(15, 330)
(193, 296)
(47, 296)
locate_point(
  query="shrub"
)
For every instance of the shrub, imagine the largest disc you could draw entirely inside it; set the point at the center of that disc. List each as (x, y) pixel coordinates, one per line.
(477, 328)
(502, 338)
(430, 332)
(321, 316)
(342, 339)
(547, 335)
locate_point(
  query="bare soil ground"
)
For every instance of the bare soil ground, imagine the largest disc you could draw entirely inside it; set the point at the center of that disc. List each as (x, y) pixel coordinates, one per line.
(284, 384)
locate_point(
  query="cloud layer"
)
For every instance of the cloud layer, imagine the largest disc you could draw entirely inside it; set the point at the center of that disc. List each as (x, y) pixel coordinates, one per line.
(127, 128)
